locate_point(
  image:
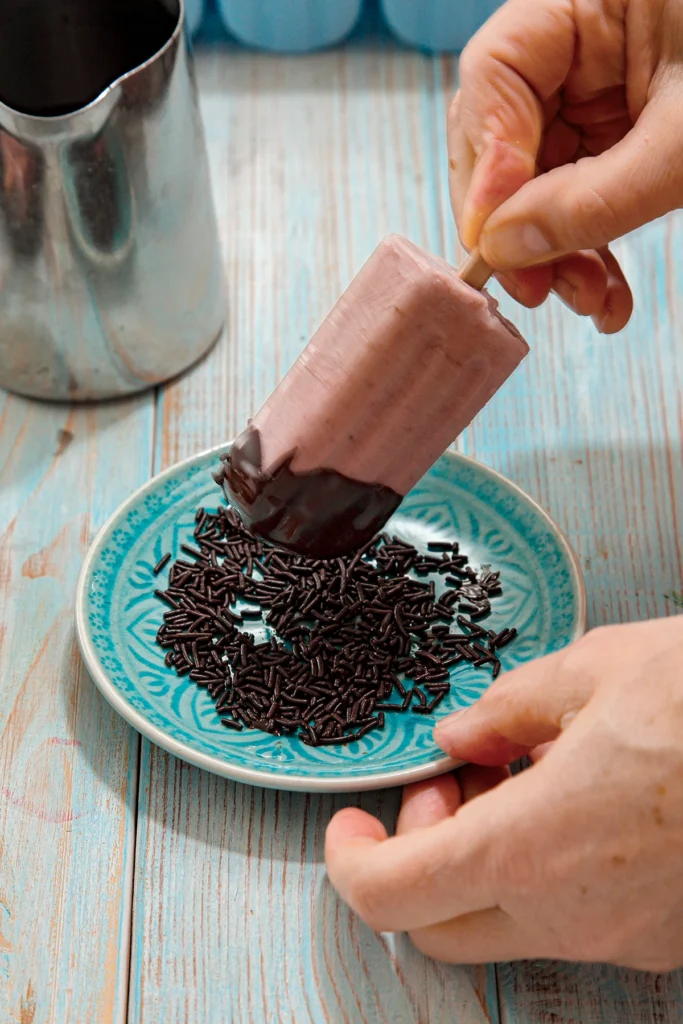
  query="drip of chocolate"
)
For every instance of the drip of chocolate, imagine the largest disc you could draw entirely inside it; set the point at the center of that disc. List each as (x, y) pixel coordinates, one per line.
(321, 514)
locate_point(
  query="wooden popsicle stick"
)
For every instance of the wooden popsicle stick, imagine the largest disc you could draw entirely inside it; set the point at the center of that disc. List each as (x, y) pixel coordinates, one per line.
(474, 271)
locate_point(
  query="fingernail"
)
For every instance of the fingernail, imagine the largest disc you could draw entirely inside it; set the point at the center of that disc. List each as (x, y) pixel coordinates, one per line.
(510, 286)
(470, 228)
(600, 321)
(514, 245)
(447, 726)
(566, 293)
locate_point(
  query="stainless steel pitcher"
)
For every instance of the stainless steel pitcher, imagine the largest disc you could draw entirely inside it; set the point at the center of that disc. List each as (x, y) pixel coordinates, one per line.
(110, 271)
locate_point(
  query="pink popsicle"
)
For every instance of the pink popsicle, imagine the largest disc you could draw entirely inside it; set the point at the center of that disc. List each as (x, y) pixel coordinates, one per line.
(401, 366)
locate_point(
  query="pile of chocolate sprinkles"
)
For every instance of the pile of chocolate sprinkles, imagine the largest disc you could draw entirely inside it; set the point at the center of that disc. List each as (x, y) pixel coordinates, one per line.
(351, 639)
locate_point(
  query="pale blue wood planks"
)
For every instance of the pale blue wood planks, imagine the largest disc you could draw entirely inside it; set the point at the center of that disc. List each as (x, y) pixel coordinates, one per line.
(68, 763)
(536, 993)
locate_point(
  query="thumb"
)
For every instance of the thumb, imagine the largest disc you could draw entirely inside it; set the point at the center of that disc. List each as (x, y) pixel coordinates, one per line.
(591, 203)
(527, 707)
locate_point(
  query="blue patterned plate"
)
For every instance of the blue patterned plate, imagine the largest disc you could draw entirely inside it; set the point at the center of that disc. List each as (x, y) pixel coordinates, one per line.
(118, 617)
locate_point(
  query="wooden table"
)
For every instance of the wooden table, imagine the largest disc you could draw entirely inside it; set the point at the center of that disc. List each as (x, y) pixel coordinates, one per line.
(136, 888)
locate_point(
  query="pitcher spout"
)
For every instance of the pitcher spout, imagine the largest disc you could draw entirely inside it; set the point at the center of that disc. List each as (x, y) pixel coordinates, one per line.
(63, 62)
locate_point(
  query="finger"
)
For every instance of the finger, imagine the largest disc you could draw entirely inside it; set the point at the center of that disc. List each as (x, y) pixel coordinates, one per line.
(527, 707)
(461, 159)
(490, 936)
(508, 72)
(589, 283)
(603, 117)
(580, 281)
(426, 803)
(588, 204)
(424, 876)
(587, 127)
(496, 175)
(353, 825)
(560, 145)
(618, 304)
(474, 780)
(529, 287)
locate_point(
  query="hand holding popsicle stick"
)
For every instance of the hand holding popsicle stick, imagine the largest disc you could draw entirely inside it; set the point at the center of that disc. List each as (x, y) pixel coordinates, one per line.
(565, 136)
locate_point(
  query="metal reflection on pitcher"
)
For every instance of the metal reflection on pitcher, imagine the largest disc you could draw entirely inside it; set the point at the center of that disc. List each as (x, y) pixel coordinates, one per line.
(110, 272)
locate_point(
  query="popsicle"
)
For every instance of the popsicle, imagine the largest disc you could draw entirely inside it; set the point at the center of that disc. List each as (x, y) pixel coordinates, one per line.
(407, 358)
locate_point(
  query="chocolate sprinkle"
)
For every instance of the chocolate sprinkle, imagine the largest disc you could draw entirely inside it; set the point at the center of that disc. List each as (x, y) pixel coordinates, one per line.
(162, 563)
(346, 634)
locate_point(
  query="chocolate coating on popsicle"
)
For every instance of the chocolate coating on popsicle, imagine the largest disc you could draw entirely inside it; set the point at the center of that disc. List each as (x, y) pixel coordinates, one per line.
(321, 514)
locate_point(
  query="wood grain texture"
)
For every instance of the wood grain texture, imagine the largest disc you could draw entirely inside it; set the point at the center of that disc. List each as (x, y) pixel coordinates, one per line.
(314, 160)
(552, 993)
(68, 763)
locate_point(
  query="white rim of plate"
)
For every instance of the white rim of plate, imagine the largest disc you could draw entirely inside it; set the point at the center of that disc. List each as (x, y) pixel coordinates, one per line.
(253, 777)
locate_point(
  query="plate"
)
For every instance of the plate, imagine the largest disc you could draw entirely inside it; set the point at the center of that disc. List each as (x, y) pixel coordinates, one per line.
(118, 616)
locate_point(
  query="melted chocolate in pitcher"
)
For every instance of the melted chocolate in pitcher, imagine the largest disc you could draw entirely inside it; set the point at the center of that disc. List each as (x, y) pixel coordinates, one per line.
(56, 56)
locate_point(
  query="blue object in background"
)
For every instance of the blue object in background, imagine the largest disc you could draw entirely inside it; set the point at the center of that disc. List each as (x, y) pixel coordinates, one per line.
(194, 12)
(290, 26)
(438, 25)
